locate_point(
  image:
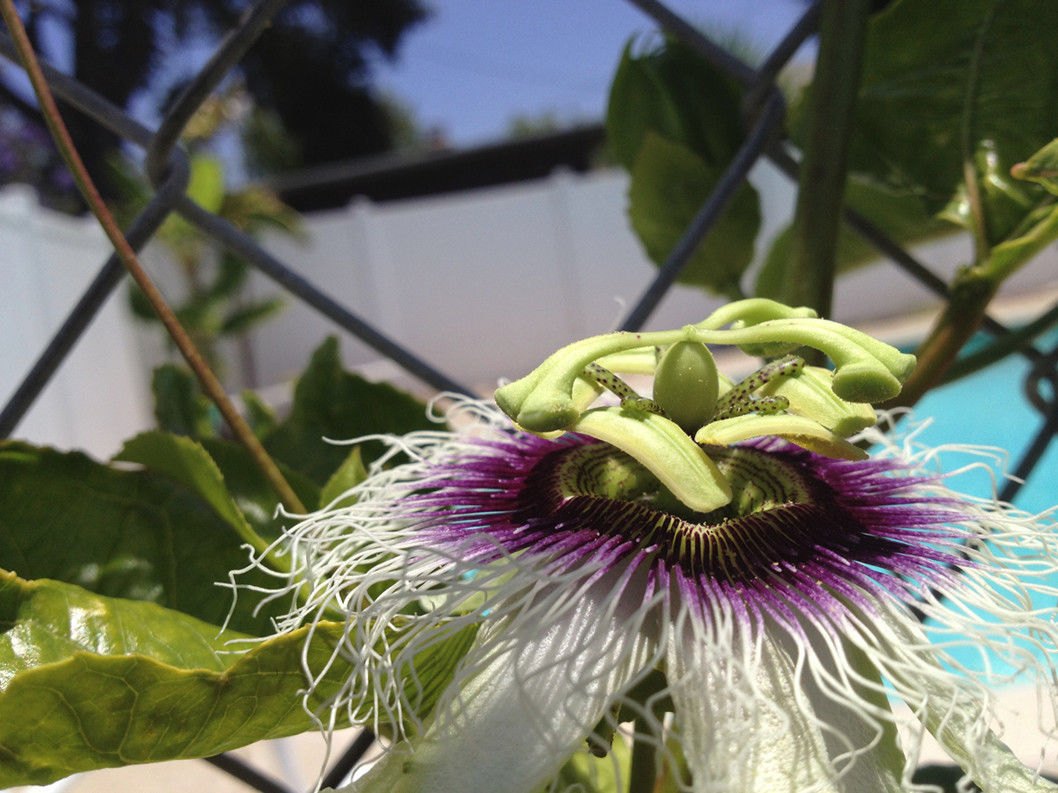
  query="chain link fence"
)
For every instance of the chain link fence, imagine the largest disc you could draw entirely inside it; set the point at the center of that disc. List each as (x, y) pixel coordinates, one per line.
(168, 169)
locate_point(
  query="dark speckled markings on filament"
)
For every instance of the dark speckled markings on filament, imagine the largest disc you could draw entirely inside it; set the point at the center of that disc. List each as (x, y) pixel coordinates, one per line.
(741, 400)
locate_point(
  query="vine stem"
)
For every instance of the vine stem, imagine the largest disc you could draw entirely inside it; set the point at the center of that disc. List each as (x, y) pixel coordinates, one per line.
(643, 768)
(209, 382)
(821, 187)
(970, 296)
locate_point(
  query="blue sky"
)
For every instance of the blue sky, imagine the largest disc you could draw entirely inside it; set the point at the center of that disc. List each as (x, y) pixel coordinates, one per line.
(475, 64)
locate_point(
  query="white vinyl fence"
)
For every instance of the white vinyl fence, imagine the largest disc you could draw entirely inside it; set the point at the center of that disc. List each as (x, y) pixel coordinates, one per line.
(100, 394)
(483, 284)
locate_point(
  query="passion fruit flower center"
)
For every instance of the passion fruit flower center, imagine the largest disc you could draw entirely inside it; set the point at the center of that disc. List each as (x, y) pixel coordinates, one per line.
(679, 435)
(610, 492)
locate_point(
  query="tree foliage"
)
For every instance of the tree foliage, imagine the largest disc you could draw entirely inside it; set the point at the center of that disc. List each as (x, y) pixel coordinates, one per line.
(310, 69)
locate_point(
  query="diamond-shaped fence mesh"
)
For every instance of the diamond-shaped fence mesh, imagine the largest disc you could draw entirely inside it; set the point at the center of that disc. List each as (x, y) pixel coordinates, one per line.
(167, 167)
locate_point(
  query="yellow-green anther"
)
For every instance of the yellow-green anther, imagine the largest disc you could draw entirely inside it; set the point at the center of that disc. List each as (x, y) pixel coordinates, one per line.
(686, 384)
(866, 370)
(663, 449)
(741, 399)
(809, 394)
(803, 431)
(542, 401)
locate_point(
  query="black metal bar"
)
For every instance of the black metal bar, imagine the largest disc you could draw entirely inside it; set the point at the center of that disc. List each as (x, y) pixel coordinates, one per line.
(679, 28)
(1044, 369)
(791, 42)
(347, 762)
(758, 139)
(86, 308)
(85, 99)
(227, 54)
(245, 246)
(244, 772)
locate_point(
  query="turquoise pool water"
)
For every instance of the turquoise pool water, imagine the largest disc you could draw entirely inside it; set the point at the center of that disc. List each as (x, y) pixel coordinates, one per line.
(990, 409)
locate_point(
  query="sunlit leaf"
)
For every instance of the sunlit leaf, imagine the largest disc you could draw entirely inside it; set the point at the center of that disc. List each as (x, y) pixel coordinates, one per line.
(90, 682)
(671, 91)
(669, 185)
(330, 402)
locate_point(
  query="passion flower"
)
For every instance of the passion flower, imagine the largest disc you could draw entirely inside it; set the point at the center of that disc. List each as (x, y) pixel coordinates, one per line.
(742, 583)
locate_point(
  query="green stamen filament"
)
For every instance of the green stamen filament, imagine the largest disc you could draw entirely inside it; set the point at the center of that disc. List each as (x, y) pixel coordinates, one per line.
(741, 400)
(615, 385)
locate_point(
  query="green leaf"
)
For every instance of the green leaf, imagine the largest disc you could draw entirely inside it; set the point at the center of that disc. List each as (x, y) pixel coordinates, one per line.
(1008, 256)
(133, 534)
(673, 92)
(205, 188)
(252, 492)
(901, 215)
(349, 474)
(941, 77)
(260, 415)
(1007, 200)
(674, 120)
(669, 185)
(638, 104)
(90, 682)
(190, 464)
(139, 305)
(231, 275)
(255, 208)
(1041, 167)
(246, 317)
(179, 406)
(332, 403)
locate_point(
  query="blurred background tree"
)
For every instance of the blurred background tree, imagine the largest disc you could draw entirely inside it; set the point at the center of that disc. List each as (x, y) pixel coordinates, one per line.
(308, 75)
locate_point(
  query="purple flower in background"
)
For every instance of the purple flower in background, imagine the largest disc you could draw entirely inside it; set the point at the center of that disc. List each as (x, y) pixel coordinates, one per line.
(512, 598)
(28, 156)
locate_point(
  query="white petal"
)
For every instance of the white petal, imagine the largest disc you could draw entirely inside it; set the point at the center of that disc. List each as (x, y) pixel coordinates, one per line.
(754, 720)
(953, 708)
(517, 720)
